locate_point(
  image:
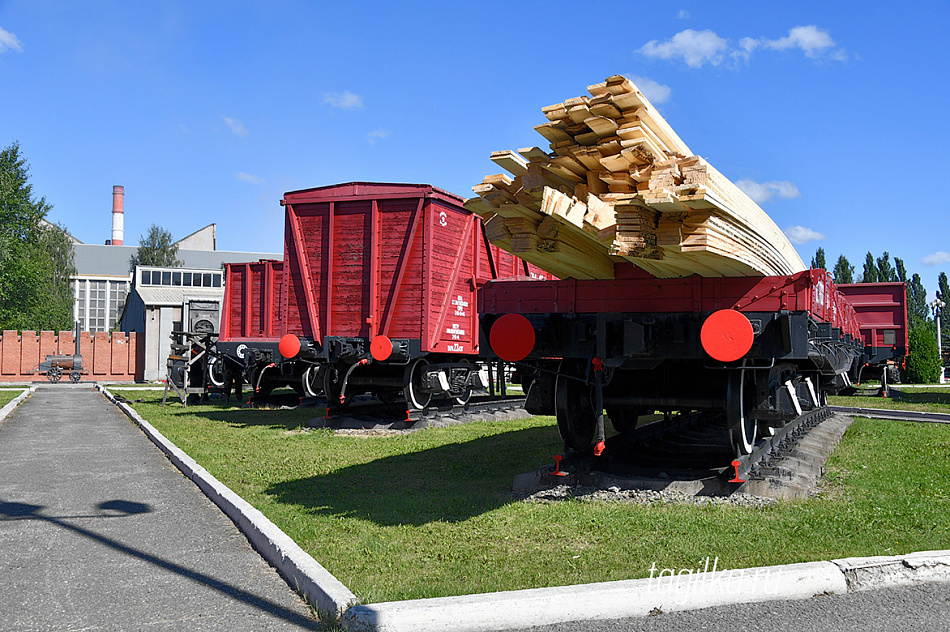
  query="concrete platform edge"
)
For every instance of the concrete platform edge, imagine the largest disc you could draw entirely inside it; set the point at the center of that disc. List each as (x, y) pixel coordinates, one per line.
(16, 401)
(304, 574)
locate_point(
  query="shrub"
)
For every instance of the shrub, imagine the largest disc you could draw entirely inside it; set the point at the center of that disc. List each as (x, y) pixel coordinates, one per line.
(923, 361)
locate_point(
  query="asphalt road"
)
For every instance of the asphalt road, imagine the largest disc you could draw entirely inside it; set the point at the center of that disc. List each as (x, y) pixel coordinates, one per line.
(99, 531)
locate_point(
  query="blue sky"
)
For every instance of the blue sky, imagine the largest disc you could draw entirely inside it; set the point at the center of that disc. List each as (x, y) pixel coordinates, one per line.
(832, 114)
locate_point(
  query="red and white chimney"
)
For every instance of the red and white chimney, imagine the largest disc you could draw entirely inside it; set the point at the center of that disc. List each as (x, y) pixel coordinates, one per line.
(118, 215)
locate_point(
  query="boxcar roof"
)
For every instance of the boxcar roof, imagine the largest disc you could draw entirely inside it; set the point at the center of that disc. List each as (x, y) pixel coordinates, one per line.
(368, 191)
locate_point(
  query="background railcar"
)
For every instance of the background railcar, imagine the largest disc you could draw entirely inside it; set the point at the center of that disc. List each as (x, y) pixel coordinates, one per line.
(758, 350)
(376, 292)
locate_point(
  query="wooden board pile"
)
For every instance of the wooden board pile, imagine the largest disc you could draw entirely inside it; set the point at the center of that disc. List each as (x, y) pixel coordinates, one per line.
(620, 185)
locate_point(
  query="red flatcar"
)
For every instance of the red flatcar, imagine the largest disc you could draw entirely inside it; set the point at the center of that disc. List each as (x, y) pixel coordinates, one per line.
(760, 350)
(376, 293)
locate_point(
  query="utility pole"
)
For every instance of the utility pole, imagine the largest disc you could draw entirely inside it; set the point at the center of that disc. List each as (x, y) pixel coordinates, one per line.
(937, 306)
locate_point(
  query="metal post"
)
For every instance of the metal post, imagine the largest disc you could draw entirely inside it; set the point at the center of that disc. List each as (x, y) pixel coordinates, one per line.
(939, 345)
(937, 306)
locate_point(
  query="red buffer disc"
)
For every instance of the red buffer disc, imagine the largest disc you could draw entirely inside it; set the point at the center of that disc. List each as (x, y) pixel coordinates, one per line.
(512, 337)
(381, 348)
(289, 346)
(727, 335)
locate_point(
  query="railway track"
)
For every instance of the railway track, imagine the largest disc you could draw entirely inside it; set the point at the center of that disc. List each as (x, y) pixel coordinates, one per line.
(899, 415)
(689, 454)
(372, 414)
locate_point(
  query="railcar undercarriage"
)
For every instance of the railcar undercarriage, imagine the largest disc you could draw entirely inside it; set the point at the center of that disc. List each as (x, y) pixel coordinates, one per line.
(623, 367)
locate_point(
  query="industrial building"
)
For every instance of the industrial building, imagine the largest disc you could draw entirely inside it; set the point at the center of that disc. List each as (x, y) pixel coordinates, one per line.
(112, 295)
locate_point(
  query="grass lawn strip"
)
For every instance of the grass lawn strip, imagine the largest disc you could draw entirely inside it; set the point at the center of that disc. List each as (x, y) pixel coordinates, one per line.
(8, 394)
(429, 513)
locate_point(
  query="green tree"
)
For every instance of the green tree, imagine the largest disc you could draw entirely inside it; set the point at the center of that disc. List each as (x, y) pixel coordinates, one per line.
(870, 270)
(819, 260)
(156, 248)
(918, 313)
(844, 271)
(923, 362)
(885, 271)
(35, 257)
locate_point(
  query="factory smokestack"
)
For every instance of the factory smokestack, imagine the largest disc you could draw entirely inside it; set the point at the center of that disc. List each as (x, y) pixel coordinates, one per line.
(118, 215)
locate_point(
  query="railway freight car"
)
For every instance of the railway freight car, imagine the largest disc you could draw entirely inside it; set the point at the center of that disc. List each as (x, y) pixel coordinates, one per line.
(748, 353)
(376, 293)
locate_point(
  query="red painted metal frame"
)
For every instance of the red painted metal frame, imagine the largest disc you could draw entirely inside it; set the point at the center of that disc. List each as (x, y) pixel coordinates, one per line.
(635, 291)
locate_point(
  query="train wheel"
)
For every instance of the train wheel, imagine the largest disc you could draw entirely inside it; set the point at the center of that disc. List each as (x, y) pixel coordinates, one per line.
(576, 421)
(311, 381)
(333, 386)
(55, 374)
(414, 380)
(743, 429)
(75, 376)
(217, 374)
(466, 395)
(624, 420)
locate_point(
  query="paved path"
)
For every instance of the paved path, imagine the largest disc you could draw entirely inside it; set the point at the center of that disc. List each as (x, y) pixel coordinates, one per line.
(98, 531)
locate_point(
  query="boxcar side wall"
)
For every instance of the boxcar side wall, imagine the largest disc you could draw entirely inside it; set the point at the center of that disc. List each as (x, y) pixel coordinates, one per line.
(251, 307)
(882, 317)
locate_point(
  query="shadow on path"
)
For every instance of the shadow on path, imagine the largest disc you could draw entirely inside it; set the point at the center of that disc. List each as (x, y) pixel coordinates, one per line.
(124, 508)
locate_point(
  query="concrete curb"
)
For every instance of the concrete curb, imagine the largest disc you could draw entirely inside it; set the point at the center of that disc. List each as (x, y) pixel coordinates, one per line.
(13, 403)
(869, 573)
(686, 590)
(608, 600)
(320, 588)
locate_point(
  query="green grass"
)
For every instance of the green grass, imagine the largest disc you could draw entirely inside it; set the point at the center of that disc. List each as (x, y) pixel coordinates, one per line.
(7, 396)
(430, 514)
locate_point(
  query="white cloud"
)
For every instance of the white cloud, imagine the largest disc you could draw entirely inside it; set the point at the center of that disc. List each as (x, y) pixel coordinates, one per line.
(248, 177)
(683, 14)
(345, 100)
(936, 259)
(9, 41)
(655, 92)
(235, 125)
(799, 235)
(696, 48)
(378, 134)
(809, 39)
(765, 191)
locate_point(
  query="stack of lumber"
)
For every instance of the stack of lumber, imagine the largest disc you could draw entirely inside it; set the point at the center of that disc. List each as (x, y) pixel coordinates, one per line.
(620, 185)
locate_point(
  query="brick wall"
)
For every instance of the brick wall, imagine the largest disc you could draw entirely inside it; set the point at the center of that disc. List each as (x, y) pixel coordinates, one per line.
(105, 357)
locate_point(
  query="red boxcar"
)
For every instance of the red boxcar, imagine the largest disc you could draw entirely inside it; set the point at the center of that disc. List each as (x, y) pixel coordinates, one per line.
(380, 273)
(882, 315)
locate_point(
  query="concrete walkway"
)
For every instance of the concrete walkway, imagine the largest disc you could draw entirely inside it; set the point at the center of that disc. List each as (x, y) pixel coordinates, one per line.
(98, 531)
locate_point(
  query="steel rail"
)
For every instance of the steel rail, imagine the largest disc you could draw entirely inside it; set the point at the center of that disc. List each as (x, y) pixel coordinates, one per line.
(898, 415)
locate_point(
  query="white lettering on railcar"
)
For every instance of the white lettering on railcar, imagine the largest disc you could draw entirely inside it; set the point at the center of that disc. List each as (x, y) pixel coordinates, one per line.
(460, 305)
(443, 219)
(455, 347)
(455, 331)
